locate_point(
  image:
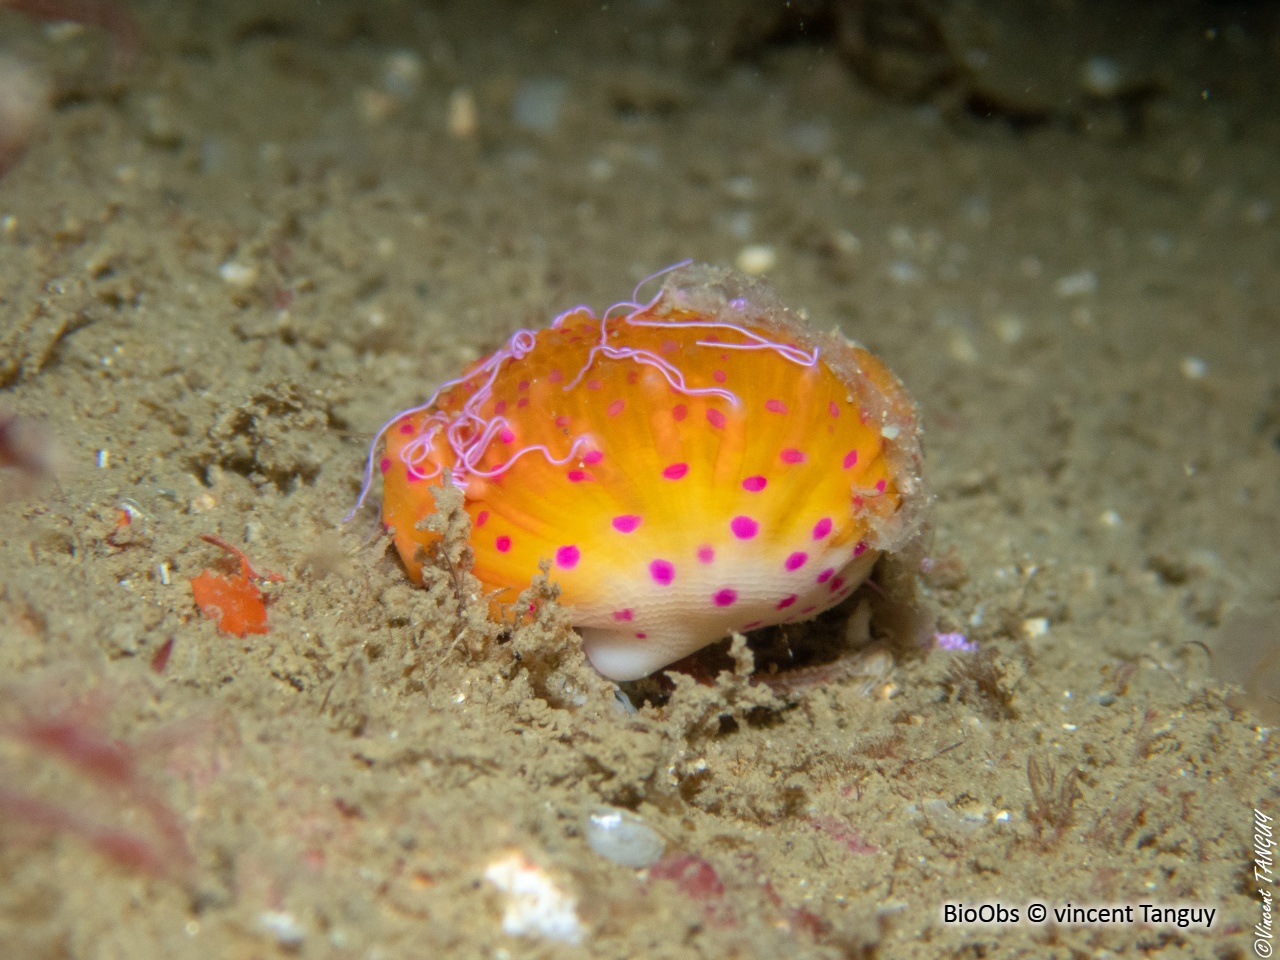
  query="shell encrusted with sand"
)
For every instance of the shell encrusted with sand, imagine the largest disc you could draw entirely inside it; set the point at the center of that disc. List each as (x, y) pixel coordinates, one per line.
(691, 466)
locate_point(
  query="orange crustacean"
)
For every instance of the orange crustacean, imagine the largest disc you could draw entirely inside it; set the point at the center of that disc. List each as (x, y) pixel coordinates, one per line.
(694, 465)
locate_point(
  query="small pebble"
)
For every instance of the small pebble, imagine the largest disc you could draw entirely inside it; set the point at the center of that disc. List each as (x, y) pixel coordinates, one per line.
(463, 120)
(623, 837)
(1076, 284)
(538, 104)
(1101, 77)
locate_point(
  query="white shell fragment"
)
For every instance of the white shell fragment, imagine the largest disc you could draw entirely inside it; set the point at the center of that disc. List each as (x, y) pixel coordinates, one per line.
(623, 837)
(536, 906)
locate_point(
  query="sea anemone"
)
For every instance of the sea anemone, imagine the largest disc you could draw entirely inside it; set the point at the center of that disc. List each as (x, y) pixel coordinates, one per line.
(691, 466)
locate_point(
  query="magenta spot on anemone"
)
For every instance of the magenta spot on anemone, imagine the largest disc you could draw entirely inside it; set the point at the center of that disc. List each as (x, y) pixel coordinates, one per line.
(594, 384)
(716, 419)
(836, 584)
(640, 634)
(626, 614)
(555, 376)
(675, 471)
(502, 544)
(633, 378)
(577, 476)
(592, 457)
(718, 376)
(796, 560)
(679, 412)
(822, 528)
(562, 422)
(669, 346)
(850, 459)
(860, 548)
(706, 555)
(792, 455)
(752, 625)
(406, 427)
(482, 518)
(754, 484)
(500, 408)
(725, 598)
(616, 407)
(662, 572)
(385, 464)
(626, 522)
(880, 485)
(833, 409)
(826, 574)
(775, 406)
(522, 403)
(787, 601)
(744, 528)
(522, 386)
(506, 435)
(568, 557)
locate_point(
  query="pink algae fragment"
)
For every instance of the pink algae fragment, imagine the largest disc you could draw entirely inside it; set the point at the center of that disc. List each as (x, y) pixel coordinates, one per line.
(844, 834)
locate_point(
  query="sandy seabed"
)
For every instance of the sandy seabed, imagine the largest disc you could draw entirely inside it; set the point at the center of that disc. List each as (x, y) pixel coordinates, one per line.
(224, 265)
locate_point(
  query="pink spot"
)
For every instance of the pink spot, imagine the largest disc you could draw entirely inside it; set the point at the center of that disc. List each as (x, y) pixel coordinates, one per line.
(626, 614)
(503, 543)
(706, 555)
(414, 476)
(754, 484)
(633, 378)
(752, 625)
(592, 457)
(662, 572)
(775, 406)
(506, 435)
(880, 485)
(822, 528)
(826, 574)
(522, 386)
(482, 518)
(594, 384)
(640, 635)
(833, 409)
(626, 522)
(836, 584)
(669, 346)
(716, 419)
(577, 476)
(796, 560)
(744, 528)
(615, 408)
(718, 376)
(850, 459)
(385, 464)
(500, 408)
(562, 422)
(522, 403)
(860, 548)
(567, 557)
(792, 455)
(725, 597)
(555, 376)
(787, 601)
(406, 427)
(676, 471)
(679, 412)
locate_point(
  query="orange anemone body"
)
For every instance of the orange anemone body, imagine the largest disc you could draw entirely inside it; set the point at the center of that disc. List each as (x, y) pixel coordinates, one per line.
(692, 466)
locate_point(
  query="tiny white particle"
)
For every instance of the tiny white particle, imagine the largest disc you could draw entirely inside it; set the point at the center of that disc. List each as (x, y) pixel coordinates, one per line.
(757, 259)
(1193, 368)
(237, 274)
(890, 432)
(104, 459)
(1076, 284)
(1109, 518)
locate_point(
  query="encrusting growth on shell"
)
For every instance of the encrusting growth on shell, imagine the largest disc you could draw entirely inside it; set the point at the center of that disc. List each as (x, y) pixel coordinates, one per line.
(691, 466)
